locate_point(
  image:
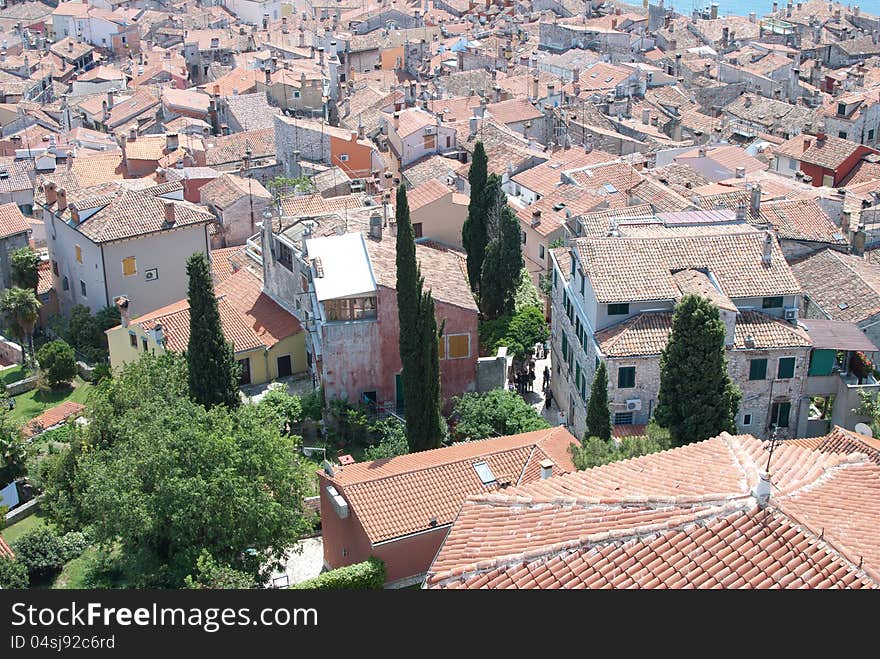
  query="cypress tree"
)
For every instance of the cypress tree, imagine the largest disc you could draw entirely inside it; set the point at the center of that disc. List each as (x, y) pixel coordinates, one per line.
(502, 267)
(473, 233)
(697, 399)
(598, 412)
(213, 371)
(418, 340)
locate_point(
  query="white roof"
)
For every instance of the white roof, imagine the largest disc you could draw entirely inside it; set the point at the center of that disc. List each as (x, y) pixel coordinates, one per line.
(344, 265)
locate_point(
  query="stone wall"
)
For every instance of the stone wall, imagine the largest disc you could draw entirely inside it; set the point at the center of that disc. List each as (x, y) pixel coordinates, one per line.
(492, 371)
(10, 351)
(21, 386)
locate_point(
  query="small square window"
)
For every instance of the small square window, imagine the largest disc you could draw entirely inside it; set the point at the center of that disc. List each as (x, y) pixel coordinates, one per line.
(144, 343)
(65, 284)
(129, 266)
(747, 419)
(523, 237)
(623, 419)
(626, 377)
(343, 157)
(133, 340)
(55, 268)
(541, 256)
(417, 229)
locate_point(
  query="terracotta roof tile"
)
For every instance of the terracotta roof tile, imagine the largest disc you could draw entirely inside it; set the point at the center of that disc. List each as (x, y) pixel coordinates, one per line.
(226, 189)
(844, 286)
(398, 496)
(45, 283)
(52, 417)
(841, 440)
(6, 550)
(12, 222)
(683, 518)
(427, 193)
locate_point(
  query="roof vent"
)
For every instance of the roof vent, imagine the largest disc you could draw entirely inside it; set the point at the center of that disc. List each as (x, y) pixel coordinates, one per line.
(762, 491)
(750, 341)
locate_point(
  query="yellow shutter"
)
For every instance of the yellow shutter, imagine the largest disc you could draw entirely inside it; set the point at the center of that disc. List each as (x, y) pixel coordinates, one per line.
(79, 254)
(459, 346)
(129, 266)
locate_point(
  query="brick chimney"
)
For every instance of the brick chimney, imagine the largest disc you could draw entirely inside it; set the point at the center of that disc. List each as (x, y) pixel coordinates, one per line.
(62, 199)
(767, 256)
(755, 200)
(169, 214)
(50, 191)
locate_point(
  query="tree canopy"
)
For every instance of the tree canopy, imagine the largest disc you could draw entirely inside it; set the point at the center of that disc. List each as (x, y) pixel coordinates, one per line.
(697, 399)
(23, 309)
(595, 451)
(24, 264)
(57, 363)
(493, 414)
(598, 411)
(503, 264)
(474, 235)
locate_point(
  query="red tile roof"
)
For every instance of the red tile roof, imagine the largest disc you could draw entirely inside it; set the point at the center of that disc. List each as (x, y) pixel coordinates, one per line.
(399, 496)
(12, 222)
(6, 550)
(427, 193)
(44, 284)
(841, 440)
(52, 417)
(683, 518)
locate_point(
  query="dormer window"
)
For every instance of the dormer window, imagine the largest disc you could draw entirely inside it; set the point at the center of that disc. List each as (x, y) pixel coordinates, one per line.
(841, 109)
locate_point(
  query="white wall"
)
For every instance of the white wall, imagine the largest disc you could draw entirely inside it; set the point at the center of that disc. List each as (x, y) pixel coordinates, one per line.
(61, 240)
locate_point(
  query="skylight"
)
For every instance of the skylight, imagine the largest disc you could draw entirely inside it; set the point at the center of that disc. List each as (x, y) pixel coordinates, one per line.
(610, 189)
(484, 472)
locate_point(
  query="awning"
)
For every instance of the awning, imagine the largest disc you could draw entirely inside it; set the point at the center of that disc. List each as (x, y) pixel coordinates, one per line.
(837, 335)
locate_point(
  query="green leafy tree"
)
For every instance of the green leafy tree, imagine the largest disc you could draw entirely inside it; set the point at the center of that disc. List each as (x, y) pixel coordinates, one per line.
(697, 399)
(519, 333)
(57, 362)
(213, 576)
(595, 451)
(391, 435)
(13, 454)
(493, 414)
(213, 371)
(164, 479)
(24, 264)
(41, 551)
(85, 332)
(598, 411)
(502, 267)
(418, 340)
(282, 185)
(526, 294)
(281, 409)
(23, 308)
(474, 236)
(13, 574)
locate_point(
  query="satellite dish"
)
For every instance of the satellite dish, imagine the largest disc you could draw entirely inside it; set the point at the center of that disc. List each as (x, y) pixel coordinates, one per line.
(864, 429)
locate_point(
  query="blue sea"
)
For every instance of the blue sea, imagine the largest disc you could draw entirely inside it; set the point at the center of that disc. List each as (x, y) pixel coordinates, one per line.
(760, 7)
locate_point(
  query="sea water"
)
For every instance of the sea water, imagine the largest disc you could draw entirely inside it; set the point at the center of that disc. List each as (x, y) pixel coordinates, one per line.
(760, 7)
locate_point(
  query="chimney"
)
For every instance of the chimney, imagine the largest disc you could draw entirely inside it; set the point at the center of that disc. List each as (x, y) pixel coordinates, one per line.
(321, 56)
(753, 17)
(546, 468)
(858, 242)
(713, 11)
(646, 116)
(741, 211)
(740, 172)
(265, 21)
(725, 35)
(110, 94)
(845, 221)
(820, 136)
(124, 314)
(62, 199)
(161, 175)
(767, 256)
(354, 136)
(762, 490)
(268, 76)
(70, 46)
(755, 200)
(535, 82)
(807, 143)
(702, 152)
(497, 93)
(362, 130)
(132, 134)
(748, 101)
(169, 214)
(376, 226)
(396, 120)
(536, 218)
(49, 190)
(472, 123)
(171, 142)
(775, 7)
(217, 91)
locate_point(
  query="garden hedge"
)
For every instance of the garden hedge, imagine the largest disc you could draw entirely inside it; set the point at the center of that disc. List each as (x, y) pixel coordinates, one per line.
(369, 575)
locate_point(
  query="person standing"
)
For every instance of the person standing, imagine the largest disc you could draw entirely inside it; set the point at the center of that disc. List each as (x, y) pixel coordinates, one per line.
(548, 399)
(546, 378)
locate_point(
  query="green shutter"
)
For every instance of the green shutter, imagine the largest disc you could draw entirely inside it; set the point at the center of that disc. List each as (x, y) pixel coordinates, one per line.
(786, 368)
(626, 377)
(757, 369)
(564, 346)
(822, 362)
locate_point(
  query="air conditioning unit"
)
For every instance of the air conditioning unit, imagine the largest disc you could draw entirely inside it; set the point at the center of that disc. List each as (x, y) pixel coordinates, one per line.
(633, 404)
(791, 314)
(429, 130)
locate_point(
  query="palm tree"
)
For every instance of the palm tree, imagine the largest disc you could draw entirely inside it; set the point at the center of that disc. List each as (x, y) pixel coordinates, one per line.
(23, 307)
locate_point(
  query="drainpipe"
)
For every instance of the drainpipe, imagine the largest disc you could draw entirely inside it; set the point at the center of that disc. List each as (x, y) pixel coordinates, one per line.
(266, 359)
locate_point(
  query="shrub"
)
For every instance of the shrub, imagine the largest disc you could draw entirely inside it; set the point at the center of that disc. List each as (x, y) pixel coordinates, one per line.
(211, 575)
(73, 544)
(369, 575)
(57, 362)
(41, 551)
(281, 410)
(313, 405)
(13, 574)
(495, 413)
(392, 440)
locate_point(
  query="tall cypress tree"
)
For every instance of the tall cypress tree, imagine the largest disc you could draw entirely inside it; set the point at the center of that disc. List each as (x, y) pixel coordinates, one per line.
(502, 266)
(474, 237)
(697, 399)
(598, 412)
(213, 371)
(418, 340)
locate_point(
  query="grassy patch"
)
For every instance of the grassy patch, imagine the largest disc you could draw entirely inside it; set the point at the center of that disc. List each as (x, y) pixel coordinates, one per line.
(14, 374)
(15, 531)
(33, 403)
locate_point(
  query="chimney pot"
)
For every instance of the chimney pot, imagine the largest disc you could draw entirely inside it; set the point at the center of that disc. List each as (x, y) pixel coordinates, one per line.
(62, 199)
(546, 468)
(169, 214)
(762, 491)
(740, 172)
(767, 257)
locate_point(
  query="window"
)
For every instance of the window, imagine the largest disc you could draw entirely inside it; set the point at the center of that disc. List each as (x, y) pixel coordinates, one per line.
(564, 347)
(583, 281)
(285, 256)
(417, 229)
(429, 142)
(747, 419)
(144, 343)
(623, 419)
(448, 141)
(55, 268)
(541, 256)
(355, 308)
(757, 369)
(441, 350)
(772, 303)
(841, 134)
(65, 285)
(577, 377)
(132, 340)
(786, 368)
(841, 109)
(828, 181)
(459, 346)
(296, 94)
(79, 254)
(626, 377)
(245, 377)
(82, 288)
(871, 135)
(129, 266)
(779, 414)
(523, 237)
(620, 309)
(343, 157)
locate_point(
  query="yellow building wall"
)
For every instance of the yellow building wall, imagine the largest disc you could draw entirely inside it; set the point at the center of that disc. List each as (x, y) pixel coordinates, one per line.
(264, 365)
(390, 57)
